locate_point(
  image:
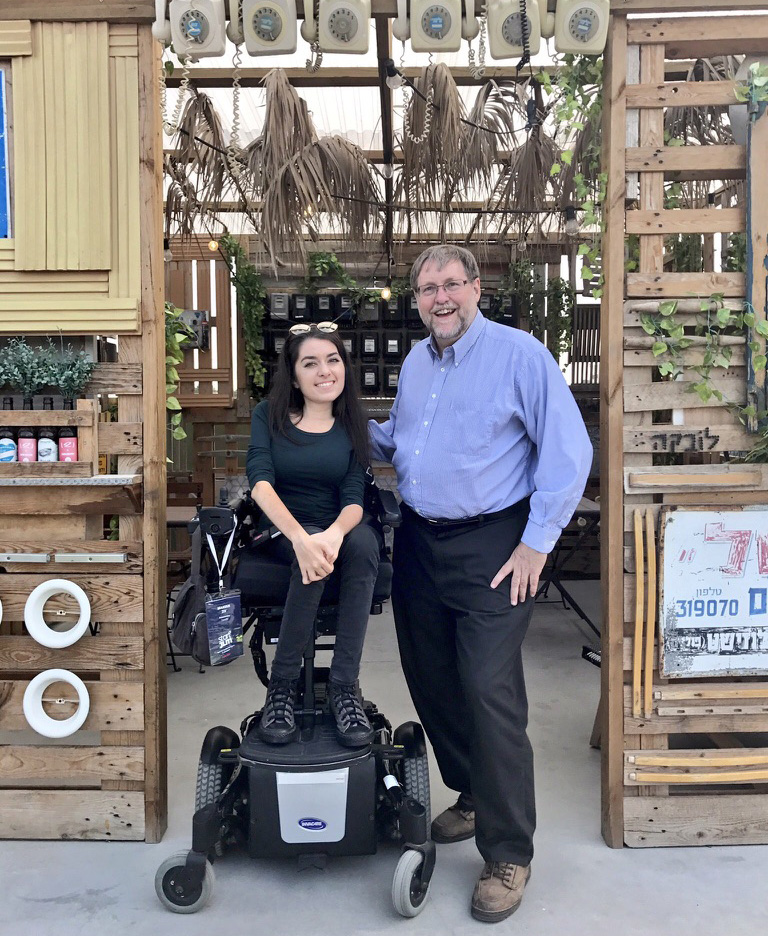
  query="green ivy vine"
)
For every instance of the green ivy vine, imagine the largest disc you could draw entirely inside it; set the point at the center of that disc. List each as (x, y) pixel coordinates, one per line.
(251, 304)
(325, 265)
(176, 333)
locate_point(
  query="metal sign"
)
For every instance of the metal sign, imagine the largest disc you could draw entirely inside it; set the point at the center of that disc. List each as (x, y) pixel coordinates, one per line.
(713, 592)
(4, 193)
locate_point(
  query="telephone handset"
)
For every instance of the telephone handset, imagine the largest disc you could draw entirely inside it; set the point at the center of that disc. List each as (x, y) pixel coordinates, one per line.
(198, 28)
(470, 24)
(505, 27)
(344, 25)
(161, 28)
(309, 26)
(401, 24)
(581, 26)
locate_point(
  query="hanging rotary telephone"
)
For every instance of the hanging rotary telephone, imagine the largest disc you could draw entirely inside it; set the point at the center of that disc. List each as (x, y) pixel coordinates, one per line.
(581, 26)
(435, 25)
(505, 26)
(197, 28)
(342, 26)
(268, 27)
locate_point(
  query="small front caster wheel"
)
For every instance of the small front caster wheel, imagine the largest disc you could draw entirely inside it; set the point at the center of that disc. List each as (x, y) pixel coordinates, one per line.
(174, 894)
(408, 896)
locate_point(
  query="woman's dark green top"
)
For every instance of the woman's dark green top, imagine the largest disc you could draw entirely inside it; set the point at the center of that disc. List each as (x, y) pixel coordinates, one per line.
(315, 474)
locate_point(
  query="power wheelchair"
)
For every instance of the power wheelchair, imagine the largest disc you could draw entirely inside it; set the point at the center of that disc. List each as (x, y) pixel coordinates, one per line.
(312, 798)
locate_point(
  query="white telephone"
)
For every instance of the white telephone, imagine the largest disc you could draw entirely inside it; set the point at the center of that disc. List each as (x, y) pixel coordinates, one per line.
(198, 28)
(268, 27)
(505, 27)
(581, 26)
(344, 25)
(436, 25)
(161, 28)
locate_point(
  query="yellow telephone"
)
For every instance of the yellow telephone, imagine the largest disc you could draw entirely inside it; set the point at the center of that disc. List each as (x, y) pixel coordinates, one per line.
(581, 26)
(198, 28)
(505, 21)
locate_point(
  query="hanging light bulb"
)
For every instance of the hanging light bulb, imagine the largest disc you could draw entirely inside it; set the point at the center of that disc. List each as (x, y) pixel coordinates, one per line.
(167, 255)
(571, 224)
(213, 245)
(387, 170)
(394, 79)
(386, 291)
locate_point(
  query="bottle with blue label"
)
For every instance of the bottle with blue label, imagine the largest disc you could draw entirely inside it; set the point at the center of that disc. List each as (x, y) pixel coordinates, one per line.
(8, 449)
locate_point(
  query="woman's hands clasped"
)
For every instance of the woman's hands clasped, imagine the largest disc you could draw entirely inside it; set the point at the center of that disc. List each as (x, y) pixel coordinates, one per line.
(316, 554)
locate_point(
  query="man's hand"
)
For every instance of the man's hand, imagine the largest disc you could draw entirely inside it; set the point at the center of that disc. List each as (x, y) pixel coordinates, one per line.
(311, 554)
(526, 565)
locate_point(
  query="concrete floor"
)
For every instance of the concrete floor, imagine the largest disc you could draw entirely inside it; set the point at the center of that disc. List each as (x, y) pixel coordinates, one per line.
(579, 886)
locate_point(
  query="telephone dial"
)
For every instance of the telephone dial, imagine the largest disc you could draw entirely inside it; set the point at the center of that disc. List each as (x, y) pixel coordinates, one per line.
(268, 27)
(341, 25)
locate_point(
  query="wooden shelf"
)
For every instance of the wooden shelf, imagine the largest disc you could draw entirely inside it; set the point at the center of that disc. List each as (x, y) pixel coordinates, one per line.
(84, 419)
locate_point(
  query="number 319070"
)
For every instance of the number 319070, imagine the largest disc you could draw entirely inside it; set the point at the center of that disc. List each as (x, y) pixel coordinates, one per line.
(712, 607)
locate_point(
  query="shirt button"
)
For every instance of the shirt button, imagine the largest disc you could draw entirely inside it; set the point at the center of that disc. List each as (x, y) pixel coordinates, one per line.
(434, 395)
(413, 480)
(417, 451)
(426, 423)
(442, 369)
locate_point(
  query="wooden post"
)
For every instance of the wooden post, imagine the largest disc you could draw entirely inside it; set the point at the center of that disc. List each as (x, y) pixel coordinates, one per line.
(611, 430)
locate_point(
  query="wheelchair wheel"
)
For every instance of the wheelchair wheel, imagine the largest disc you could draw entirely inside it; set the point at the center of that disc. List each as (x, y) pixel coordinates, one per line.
(211, 777)
(407, 894)
(172, 892)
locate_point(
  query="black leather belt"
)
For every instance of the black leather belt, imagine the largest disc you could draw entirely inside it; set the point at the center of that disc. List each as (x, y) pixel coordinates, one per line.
(440, 525)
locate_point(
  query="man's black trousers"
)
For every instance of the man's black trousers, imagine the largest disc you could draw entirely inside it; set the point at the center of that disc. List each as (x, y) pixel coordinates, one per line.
(460, 644)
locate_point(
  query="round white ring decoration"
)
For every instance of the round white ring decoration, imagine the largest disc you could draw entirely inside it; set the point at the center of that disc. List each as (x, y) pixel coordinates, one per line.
(35, 623)
(33, 704)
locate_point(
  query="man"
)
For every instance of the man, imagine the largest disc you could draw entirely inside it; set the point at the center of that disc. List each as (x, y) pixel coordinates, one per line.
(491, 456)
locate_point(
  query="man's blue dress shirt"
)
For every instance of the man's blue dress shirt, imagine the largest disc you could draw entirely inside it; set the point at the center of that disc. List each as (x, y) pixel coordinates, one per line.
(486, 425)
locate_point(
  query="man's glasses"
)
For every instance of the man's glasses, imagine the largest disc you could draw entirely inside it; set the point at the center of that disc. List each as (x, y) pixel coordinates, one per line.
(304, 327)
(451, 287)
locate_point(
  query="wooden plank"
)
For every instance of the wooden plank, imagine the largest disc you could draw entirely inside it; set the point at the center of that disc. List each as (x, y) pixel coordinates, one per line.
(78, 469)
(757, 259)
(611, 428)
(731, 160)
(155, 480)
(24, 655)
(637, 642)
(115, 11)
(699, 723)
(690, 357)
(81, 499)
(681, 94)
(115, 378)
(710, 691)
(687, 221)
(676, 394)
(113, 597)
(71, 814)
(661, 438)
(119, 438)
(716, 477)
(651, 249)
(651, 822)
(114, 705)
(77, 764)
(15, 38)
(675, 285)
(69, 316)
(132, 553)
(684, 37)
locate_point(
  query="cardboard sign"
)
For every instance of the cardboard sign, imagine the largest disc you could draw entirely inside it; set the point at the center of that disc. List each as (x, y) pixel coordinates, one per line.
(713, 594)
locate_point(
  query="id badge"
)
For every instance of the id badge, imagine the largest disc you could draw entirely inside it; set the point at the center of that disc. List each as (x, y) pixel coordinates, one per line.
(224, 622)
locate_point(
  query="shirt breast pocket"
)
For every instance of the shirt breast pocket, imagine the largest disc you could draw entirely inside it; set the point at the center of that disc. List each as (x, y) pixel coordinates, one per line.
(467, 430)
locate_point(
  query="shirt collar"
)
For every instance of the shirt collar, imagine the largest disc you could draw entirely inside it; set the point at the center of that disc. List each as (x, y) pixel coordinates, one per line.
(461, 347)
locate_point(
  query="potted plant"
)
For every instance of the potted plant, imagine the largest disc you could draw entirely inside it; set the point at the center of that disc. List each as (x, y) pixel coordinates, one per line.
(26, 369)
(71, 372)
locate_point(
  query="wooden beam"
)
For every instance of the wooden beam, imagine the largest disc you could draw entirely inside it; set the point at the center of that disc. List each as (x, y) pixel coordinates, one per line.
(719, 162)
(687, 221)
(678, 285)
(682, 6)
(108, 11)
(757, 293)
(703, 36)
(611, 429)
(682, 94)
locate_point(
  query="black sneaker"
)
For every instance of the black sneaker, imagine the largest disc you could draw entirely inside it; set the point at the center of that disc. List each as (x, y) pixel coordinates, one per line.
(277, 724)
(352, 726)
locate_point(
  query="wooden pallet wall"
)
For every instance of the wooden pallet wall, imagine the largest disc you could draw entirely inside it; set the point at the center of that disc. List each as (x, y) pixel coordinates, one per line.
(684, 761)
(97, 271)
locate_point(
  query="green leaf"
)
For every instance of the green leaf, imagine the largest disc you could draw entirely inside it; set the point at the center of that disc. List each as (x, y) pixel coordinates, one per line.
(660, 347)
(586, 272)
(723, 316)
(761, 328)
(668, 307)
(758, 362)
(555, 169)
(172, 403)
(583, 249)
(567, 157)
(750, 410)
(749, 319)
(179, 434)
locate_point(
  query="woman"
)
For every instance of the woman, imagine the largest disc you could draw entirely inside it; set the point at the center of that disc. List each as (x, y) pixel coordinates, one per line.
(309, 446)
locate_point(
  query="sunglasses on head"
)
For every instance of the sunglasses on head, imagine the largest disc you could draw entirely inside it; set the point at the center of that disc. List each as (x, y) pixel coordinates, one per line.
(304, 327)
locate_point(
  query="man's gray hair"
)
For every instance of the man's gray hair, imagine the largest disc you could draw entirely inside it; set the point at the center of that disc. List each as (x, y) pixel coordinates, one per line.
(441, 255)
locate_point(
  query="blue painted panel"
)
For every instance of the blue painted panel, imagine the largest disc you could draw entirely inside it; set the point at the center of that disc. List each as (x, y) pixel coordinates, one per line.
(3, 161)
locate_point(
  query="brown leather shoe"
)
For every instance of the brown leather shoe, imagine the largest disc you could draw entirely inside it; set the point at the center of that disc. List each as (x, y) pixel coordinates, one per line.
(454, 824)
(499, 892)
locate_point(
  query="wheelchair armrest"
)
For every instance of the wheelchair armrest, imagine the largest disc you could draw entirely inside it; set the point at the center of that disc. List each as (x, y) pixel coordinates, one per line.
(389, 510)
(261, 539)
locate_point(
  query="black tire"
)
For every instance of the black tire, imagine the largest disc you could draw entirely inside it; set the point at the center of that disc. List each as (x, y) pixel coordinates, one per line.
(416, 782)
(171, 893)
(212, 778)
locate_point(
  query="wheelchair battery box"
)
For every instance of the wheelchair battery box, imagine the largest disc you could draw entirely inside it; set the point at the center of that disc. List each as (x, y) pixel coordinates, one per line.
(310, 797)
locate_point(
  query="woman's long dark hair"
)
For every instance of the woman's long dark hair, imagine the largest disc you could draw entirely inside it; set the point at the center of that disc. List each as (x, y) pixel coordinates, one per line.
(285, 398)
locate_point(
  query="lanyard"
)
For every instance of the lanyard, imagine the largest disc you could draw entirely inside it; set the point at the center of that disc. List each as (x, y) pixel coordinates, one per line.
(221, 566)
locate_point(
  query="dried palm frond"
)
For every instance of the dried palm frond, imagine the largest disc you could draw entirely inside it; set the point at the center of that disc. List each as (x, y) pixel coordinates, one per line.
(288, 128)
(703, 124)
(330, 176)
(525, 182)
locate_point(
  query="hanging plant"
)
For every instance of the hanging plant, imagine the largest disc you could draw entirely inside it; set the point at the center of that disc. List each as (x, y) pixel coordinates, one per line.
(176, 333)
(559, 321)
(251, 299)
